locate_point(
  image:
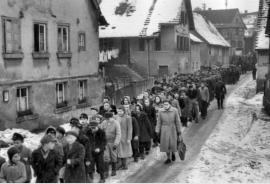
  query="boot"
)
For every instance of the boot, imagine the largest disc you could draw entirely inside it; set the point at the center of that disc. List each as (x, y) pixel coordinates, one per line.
(102, 178)
(91, 177)
(173, 157)
(61, 180)
(124, 164)
(106, 170)
(113, 169)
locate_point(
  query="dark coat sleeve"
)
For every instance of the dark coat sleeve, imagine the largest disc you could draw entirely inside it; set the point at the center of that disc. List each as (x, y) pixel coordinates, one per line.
(101, 140)
(35, 162)
(136, 129)
(83, 139)
(148, 125)
(80, 157)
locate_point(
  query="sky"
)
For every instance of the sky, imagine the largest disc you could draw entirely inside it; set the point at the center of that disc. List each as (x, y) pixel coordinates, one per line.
(250, 5)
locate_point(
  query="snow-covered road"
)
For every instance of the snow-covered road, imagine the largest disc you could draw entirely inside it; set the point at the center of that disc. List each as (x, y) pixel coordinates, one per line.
(227, 147)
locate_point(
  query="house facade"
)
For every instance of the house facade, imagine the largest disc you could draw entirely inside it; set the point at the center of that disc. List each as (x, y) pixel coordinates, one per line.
(215, 49)
(158, 42)
(250, 20)
(195, 46)
(49, 61)
(262, 46)
(231, 26)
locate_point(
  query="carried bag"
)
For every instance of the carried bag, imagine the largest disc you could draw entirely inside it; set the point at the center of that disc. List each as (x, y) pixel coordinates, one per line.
(181, 147)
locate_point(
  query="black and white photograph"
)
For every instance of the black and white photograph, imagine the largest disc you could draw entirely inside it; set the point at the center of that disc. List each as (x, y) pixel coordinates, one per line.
(135, 91)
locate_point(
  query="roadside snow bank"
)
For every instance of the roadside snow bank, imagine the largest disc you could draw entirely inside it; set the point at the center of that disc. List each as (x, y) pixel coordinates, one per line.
(238, 150)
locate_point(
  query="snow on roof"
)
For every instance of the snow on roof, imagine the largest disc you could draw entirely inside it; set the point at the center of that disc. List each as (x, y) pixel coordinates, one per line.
(262, 41)
(195, 38)
(208, 31)
(164, 12)
(125, 17)
(133, 18)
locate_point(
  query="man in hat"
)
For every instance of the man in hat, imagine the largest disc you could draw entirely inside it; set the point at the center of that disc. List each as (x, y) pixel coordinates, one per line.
(60, 136)
(13, 171)
(46, 162)
(97, 140)
(74, 159)
(25, 154)
(204, 99)
(77, 127)
(113, 136)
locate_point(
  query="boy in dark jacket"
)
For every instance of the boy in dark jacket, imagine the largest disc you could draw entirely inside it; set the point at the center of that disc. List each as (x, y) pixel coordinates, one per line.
(25, 154)
(98, 142)
(46, 162)
(135, 137)
(74, 159)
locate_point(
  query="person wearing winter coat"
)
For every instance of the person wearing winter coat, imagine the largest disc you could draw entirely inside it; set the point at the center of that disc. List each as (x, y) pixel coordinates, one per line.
(193, 94)
(60, 136)
(145, 132)
(149, 109)
(220, 92)
(135, 137)
(25, 154)
(2, 161)
(204, 100)
(102, 109)
(98, 143)
(113, 136)
(174, 103)
(74, 159)
(46, 162)
(77, 127)
(124, 149)
(14, 170)
(58, 146)
(184, 104)
(169, 129)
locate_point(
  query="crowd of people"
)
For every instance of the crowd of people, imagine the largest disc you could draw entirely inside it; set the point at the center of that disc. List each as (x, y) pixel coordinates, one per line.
(110, 136)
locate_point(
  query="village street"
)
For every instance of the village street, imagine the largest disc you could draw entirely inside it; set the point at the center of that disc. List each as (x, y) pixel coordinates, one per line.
(201, 165)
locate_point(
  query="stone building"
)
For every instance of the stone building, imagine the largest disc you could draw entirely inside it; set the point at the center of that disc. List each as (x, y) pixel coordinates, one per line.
(231, 26)
(49, 65)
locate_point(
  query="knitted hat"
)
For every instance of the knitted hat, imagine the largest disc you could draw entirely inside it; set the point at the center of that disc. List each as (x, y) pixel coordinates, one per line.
(73, 133)
(51, 130)
(17, 137)
(47, 139)
(11, 152)
(61, 130)
(83, 116)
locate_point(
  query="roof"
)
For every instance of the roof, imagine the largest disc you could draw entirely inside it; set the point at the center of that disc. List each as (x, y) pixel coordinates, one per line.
(134, 18)
(267, 31)
(208, 32)
(195, 38)
(221, 17)
(262, 42)
(101, 18)
(122, 74)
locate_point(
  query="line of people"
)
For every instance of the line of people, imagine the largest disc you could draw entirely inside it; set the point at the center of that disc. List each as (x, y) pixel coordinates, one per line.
(109, 136)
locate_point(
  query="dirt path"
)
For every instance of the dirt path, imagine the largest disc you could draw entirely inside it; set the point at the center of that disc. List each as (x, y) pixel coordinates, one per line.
(194, 138)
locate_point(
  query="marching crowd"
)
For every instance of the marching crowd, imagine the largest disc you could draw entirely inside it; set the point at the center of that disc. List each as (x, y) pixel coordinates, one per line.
(111, 135)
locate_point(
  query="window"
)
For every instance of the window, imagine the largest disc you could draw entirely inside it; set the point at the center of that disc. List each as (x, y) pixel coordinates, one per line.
(141, 45)
(158, 43)
(63, 38)
(61, 94)
(240, 44)
(182, 43)
(183, 19)
(23, 99)
(12, 35)
(82, 44)
(82, 91)
(233, 43)
(40, 37)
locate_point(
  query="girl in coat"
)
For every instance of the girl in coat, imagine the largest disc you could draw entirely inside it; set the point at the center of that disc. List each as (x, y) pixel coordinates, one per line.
(145, 131)
(124, 149)
(169, 129)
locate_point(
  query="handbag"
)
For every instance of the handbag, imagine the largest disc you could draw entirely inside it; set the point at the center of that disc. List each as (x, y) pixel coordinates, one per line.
(181, 147)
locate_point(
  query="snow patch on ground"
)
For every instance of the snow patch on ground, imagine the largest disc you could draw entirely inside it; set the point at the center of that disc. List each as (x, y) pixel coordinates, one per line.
(238, 148)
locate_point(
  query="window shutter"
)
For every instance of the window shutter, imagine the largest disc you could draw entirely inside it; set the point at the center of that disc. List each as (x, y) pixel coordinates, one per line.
(16, 35)
(8, 36)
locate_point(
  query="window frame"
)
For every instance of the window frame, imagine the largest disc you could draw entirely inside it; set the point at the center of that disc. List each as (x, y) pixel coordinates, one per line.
(13, 20)
(82, 90)
(64, 92)
(18, 99)
(62, 27)
(45, 24)
(81, 47)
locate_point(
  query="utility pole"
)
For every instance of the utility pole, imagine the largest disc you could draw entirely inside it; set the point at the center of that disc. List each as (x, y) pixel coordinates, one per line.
(204, 6)
(226, 4)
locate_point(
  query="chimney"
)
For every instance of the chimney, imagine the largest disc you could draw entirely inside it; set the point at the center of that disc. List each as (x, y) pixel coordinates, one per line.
(209, 9)
(246, 11)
